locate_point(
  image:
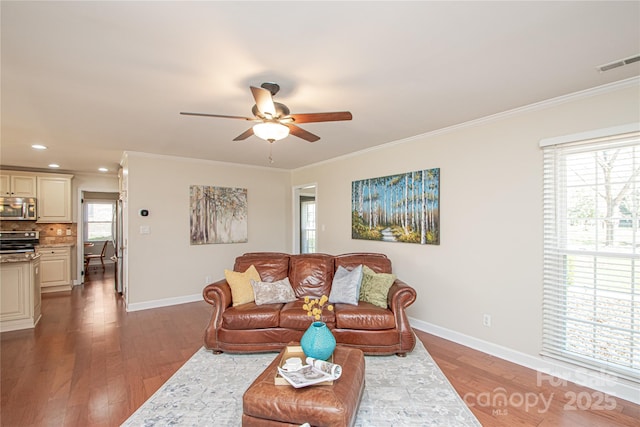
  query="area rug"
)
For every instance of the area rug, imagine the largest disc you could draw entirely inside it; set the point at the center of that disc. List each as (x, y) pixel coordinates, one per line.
(208, 389)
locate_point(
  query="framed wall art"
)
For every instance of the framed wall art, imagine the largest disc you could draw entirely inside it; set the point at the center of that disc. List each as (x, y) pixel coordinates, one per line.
(397, 208)
(218, 215)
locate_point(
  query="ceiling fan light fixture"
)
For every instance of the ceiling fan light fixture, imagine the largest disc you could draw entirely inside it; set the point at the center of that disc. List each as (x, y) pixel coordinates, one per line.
(271, 131)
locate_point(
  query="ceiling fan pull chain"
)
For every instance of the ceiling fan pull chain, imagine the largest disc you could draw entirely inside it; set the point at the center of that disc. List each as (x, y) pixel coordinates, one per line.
(270, 152)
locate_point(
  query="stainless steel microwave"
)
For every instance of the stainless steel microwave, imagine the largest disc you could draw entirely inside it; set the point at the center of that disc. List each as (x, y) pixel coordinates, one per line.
(18, 208)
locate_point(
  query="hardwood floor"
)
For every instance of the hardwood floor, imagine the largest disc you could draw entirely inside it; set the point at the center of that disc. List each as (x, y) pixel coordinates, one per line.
(481, 379)
(90, 363)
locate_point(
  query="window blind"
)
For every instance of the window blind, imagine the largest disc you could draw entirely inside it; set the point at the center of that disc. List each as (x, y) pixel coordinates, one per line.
(591, 289)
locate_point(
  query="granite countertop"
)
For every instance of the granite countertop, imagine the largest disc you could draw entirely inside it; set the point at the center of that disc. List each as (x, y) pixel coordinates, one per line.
(21, 257)
(55, 245)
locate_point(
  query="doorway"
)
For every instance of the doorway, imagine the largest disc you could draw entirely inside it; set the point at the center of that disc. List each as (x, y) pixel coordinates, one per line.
(305, 219)
(96, 230)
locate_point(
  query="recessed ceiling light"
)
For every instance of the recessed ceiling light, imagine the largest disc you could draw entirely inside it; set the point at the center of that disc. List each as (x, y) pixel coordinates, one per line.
(54, 165)
(38, 147)
(103, 169)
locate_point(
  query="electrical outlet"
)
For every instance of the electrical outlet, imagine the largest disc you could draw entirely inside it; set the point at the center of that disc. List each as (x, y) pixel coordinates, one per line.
(59, 232)
(486, 320)
(68, 232)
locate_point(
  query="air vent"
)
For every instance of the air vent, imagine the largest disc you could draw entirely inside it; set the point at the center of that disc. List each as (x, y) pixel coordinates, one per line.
(618, 63)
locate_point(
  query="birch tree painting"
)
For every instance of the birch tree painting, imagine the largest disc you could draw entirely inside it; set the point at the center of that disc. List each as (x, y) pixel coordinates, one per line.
(397, 208)
(218, 215)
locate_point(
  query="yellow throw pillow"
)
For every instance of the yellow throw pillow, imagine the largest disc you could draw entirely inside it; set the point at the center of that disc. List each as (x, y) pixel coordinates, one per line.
(240, 284)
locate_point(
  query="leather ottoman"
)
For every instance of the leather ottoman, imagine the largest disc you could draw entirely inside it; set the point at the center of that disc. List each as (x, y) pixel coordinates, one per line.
(267, 404)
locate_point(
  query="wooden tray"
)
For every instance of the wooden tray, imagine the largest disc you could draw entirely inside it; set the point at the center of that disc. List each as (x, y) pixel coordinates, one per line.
(294, 351)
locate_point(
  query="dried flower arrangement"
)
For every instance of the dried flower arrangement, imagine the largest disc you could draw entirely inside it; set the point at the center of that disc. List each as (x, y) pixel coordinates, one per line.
(315, 306)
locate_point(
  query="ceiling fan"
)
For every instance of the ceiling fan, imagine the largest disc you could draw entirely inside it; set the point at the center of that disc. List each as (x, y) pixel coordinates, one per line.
(274, 120)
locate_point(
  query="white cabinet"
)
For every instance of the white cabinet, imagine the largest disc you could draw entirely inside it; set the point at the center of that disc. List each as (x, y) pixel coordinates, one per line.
(55, 268)
(53, 193)
(20, 302)
(17, 185)
(54, 198)
(5, 185)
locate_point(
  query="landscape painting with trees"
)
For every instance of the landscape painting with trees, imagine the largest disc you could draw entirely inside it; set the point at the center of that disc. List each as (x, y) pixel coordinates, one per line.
(397, 208)
(218, 214)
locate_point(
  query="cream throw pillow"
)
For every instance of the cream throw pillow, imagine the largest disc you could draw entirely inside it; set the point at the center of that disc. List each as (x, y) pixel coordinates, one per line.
(273, 292)
(240, 284)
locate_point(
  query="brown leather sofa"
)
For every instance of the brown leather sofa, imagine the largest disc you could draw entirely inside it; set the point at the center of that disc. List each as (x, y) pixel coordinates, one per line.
(251, 328)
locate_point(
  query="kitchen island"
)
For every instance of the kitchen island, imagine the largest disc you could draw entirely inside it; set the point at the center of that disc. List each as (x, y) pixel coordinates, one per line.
(20, 299)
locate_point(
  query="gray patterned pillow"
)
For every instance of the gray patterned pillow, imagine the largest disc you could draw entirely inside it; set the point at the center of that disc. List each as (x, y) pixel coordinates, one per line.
(345, 287)
(273, 292)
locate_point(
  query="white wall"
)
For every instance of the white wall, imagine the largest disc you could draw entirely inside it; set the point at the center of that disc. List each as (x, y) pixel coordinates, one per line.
(163, 267)
(90, 182)
(490, 256)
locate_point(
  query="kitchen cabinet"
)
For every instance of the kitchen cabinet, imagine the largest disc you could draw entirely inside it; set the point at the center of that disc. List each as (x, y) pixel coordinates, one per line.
(54, 198)
(55, 266)
(20, 301)
(17, 185)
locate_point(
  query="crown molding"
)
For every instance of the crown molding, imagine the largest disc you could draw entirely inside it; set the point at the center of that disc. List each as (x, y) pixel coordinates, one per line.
(587, 93)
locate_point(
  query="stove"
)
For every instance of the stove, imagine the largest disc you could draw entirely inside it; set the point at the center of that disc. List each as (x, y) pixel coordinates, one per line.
(15, 242)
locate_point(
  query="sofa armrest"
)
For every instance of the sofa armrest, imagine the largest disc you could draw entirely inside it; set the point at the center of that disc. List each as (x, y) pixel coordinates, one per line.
(218, 294)
(400, 297)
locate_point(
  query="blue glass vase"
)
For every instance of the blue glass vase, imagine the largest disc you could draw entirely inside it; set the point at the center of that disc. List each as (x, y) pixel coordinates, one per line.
(318, 341)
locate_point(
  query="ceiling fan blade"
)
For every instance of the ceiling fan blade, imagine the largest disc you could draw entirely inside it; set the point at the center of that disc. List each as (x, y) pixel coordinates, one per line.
(244, 135)
(217, 115)
(264, 101)
(301, 133)
(322, 117)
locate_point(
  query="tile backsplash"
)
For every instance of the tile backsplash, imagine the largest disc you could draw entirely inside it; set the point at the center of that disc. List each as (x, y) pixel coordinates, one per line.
(50, 234)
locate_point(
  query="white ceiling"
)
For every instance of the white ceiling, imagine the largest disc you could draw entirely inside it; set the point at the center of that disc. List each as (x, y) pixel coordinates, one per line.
(93, 79)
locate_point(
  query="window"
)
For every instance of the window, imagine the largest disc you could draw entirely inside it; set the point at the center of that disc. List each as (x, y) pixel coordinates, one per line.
(98, 216)
(591, 304)
(307, 225)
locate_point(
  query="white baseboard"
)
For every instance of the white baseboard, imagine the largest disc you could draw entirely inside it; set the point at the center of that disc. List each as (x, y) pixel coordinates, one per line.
(609, 383)
(163, 302)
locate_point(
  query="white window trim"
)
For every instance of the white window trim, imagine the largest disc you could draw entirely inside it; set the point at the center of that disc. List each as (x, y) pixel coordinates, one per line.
(85, 220)
(592, 134)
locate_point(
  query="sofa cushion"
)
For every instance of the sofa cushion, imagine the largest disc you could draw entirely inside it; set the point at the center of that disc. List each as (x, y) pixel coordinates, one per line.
(375, 287)
(293, 316)
(273, 292)
(365, 316)
(311, 274)
(272, 266)
(377, 262)
(240, 284)
(252, 316)
(345, 287)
